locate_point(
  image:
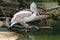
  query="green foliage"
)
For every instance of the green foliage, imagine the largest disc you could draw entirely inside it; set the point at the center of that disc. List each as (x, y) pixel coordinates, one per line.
(55, 24)
(33, 1)
(56, 27)
(20, 0)
(38, 23)
(58, 17)
(52, 37)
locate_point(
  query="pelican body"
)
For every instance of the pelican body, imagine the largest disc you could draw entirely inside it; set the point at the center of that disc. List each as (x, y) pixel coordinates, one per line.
(23, 17)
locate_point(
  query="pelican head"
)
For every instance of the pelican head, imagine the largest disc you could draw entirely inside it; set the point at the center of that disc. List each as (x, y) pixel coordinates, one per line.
(33, 7)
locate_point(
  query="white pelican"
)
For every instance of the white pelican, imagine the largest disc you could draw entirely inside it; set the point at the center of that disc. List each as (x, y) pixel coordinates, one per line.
(23, 17)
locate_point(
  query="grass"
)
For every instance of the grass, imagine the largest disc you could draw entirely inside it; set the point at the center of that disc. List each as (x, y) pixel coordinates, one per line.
(50, 37)
(54, 37)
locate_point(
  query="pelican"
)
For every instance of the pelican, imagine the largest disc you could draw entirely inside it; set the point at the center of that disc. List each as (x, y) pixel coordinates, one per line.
(23, 17)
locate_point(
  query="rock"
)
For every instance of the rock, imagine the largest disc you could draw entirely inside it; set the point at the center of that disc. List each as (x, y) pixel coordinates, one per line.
(7, 35)
(1, 23)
